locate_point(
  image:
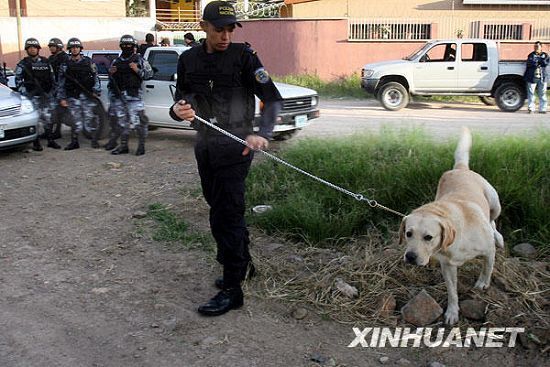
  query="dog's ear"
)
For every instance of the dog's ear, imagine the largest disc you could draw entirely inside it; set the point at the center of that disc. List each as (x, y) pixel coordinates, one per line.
(402, 230)
(448, 234)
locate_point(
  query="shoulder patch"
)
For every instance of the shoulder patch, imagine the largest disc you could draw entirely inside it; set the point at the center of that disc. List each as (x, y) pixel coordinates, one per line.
(261, 75)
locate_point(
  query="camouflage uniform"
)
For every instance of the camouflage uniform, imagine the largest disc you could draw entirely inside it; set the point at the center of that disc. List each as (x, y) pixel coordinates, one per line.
(78, 84)
(35, 80)
(126, 108)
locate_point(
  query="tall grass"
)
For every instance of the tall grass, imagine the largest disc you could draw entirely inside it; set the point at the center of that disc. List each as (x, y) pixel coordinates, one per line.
(346, 86)
(400, 170)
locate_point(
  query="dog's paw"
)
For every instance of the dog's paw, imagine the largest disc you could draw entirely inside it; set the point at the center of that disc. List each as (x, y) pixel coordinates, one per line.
(482, 283)
(451, 316)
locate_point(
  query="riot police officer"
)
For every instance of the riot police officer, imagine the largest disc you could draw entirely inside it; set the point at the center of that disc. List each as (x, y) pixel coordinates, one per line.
(126, 108)
(34, 79)
(57, 57)
(218, 81)
(79, 89)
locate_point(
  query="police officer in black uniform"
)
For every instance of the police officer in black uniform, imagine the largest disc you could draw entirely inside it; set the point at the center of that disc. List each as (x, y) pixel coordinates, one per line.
(34, 79)
(57, 57)
(218, 81)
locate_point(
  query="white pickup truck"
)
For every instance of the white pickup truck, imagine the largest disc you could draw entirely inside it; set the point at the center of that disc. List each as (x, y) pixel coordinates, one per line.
(300, 105)
(465, 67)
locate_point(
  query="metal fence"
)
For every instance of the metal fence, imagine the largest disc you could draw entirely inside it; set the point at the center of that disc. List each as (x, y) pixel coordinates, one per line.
(449, 27)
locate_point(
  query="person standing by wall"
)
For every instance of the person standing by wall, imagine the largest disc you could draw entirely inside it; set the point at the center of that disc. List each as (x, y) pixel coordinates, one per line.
(34, 79)
(537, 78)
(218, 81)
(79, 89)
(149, 42)
(127, 73)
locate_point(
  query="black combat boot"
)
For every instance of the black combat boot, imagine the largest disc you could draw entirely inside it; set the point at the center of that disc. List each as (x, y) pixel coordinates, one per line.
(249, 274)
(51, 141)
(226, 300)
(74, 142)
(36, 145)
(95, 144)
(111, 144)
(123, 147)
(141, 145)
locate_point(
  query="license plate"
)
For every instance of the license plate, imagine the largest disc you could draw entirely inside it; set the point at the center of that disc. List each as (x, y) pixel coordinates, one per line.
(2, 134)
(300, 120)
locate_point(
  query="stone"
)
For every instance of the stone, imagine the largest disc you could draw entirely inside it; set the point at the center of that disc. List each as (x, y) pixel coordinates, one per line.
(525, 250)
(386, 305)
(113, 165)
(384, 359)
(403, 362)
(140, 214)
(421, 310)
(473, 309)
(346, 289)
(435, 364)
(299, 313)
(318, 358)
(100, 290)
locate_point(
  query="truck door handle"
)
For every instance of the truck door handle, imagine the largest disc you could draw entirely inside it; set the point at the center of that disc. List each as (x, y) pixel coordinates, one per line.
(484, 68)
(450, 67)
(149, 86)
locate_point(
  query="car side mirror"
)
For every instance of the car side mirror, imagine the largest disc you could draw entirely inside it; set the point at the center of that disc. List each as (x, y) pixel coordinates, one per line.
(174, 77)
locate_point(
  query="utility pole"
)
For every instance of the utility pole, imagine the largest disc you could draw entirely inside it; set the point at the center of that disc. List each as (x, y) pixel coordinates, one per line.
(19, 35)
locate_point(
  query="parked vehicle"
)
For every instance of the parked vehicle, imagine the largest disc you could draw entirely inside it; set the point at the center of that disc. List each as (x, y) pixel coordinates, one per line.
(465, 67)
(18, 119)
(300, 105)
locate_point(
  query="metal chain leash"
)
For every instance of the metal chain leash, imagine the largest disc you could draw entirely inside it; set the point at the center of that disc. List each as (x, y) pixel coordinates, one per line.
(359, 197)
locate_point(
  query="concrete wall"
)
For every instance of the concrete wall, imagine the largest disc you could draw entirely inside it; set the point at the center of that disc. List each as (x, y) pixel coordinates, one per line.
(98, 33)
(320, 47)
(70, 8)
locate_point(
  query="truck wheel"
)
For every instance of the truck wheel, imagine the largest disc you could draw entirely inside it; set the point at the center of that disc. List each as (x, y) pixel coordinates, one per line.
(488, 101)
(393, 96)
(510, 97)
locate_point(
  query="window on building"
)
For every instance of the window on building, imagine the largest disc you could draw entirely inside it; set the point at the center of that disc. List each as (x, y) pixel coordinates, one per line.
(13, 7)
(360, 30)
(473, 52)
(502, 31)
(443, 52)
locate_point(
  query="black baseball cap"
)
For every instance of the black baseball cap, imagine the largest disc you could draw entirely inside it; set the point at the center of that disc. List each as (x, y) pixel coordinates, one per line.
(220, 14)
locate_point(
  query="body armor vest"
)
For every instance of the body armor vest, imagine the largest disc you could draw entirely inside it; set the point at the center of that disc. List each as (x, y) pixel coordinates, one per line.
(125, 78)
(79, 75)
(218, 88)
(38, 77)
(56, 61)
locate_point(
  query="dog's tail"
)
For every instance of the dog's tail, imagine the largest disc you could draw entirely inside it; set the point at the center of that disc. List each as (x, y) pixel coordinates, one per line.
(462, 152)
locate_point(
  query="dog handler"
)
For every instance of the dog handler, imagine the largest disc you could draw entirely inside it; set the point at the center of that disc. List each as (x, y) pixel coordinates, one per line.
(218, 81)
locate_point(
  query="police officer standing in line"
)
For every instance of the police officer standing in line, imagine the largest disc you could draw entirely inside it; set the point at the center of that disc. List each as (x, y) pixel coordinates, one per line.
(126, 107)
(34, 79)
(57, 57)
(218, 81)
(78, 87)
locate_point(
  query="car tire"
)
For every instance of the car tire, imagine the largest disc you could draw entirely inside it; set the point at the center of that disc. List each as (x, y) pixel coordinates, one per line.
(488, 101)
(510, 97)
(393, 96)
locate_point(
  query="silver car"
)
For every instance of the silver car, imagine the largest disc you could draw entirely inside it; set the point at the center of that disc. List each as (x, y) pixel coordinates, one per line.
(18, 119)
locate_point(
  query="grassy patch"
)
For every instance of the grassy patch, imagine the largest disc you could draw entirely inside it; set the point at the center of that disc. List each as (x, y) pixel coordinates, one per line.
(400, 170)
(348, 86)
(171, 228)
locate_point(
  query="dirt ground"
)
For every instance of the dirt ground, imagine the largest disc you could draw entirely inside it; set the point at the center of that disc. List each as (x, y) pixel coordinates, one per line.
(82, 285)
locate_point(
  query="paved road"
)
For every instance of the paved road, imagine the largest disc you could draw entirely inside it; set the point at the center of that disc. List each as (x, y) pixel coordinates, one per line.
(347, 117)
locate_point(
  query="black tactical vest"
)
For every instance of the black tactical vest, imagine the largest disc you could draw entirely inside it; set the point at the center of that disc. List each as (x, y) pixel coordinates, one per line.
(56, 61)
(219, 89)
(38, 77)
(79, 75)
(125, 78)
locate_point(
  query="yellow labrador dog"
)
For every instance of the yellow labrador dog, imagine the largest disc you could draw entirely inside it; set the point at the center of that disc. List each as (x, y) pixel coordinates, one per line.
(458, 226)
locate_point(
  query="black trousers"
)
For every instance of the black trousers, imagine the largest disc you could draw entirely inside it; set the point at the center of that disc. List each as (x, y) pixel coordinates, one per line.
(223, 170)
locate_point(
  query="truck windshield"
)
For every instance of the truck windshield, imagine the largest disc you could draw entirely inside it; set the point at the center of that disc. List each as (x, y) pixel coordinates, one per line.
(416, 53)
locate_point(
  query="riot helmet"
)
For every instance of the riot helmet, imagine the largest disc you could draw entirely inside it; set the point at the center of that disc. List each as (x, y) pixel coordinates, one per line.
(55, 42)
(127, 40)
(74, 42)
(32, 42)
